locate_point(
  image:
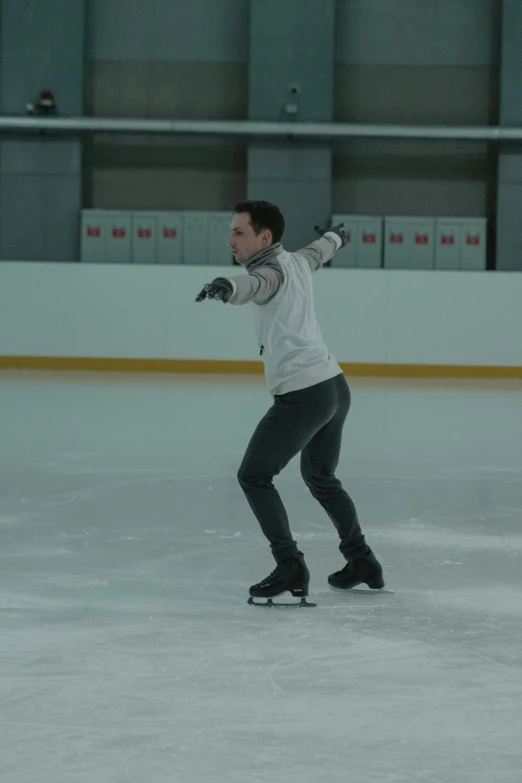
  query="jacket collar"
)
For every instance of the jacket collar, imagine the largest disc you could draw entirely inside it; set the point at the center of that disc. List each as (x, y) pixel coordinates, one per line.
(260, 258)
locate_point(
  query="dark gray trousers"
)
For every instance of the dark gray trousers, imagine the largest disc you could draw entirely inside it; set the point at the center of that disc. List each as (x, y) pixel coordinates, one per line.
(309, 421)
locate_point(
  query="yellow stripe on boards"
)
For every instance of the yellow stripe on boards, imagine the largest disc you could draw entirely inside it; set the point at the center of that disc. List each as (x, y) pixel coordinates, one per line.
(430, 371)
(95, 364)
(129, 365)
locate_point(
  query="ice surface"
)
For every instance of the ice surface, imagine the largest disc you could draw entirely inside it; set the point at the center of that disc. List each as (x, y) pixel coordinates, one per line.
(128, 652)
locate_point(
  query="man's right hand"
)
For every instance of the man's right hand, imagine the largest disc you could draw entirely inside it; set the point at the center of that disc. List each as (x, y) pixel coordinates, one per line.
(338, 229)
(219, 289)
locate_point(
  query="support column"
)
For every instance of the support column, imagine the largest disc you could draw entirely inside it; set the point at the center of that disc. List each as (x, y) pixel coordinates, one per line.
(41, 48)
(291, 78)
(509, 199)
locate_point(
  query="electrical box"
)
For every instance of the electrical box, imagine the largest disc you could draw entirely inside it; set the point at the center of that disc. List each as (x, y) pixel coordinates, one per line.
(144, 238)
(473, 244)
(94, 236)
(106, 236)
(119, 233)
(409, 243)
(447, 252)
(364, 247)
(170, 237)
(461, 244)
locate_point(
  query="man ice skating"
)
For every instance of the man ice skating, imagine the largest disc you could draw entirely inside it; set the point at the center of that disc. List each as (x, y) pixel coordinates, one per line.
(311, 396)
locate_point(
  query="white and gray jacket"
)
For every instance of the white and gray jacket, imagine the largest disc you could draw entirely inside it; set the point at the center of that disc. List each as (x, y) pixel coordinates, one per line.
(279, 290)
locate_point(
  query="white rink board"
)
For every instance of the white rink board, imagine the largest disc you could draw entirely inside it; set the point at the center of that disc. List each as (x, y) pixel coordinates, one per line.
(377, 316)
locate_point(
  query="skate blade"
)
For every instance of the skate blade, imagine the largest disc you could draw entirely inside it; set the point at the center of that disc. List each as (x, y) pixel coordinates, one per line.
(363, 590)
(372, 591)
(303, 604)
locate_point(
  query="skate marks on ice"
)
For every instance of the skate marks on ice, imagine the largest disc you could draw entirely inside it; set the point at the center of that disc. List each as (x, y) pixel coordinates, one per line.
(435, 534)
(134, 656)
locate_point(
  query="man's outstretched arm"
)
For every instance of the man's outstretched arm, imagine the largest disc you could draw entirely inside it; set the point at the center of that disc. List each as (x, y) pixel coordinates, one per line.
(318, 253)
(259, 286)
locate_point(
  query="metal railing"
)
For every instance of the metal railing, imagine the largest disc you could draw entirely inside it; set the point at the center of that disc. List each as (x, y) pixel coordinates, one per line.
(249, 129)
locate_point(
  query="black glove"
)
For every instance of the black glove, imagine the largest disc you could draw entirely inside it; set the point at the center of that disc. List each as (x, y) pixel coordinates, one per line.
(219, 289)
(338, 229)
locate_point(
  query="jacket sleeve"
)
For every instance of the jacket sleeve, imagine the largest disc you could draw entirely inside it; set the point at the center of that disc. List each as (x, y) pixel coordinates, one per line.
(259, 286)
(321, 251)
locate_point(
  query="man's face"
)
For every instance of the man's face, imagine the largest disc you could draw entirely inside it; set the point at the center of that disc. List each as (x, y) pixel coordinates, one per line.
(243, 239)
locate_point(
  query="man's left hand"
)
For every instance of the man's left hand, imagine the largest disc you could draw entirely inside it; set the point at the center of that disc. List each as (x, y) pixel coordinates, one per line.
(338, 229)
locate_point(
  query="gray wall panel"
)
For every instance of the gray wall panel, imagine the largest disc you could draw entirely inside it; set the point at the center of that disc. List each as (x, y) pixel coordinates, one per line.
(302, 211)
(511, 106)
(195, 90)
(509, 228)
(509, 200)
(290, 47)
(416, 32)
(167, 189)
(403, 195)
(168, 30)
(406, 178)
(29, 64)
(63, 204)
(430, 95)
(277, 161)
(368, 32)
(510, 165)
(41, 47)
(41, 157)
(22, 217)
(415, 178)
(166, 173)
(39, 218)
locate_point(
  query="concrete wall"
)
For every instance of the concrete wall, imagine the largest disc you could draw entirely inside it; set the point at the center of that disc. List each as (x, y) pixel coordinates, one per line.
(41, 48)
(382, 317)
(412, 33)
(416, 33)
(414, 61)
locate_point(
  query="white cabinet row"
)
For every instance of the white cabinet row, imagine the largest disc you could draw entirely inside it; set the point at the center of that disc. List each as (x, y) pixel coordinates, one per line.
(120, 237)
(413, 242)
(110, 236)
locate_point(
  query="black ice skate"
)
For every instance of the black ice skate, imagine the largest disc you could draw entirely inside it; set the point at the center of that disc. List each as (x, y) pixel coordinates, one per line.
(364, 570)
(291, 575)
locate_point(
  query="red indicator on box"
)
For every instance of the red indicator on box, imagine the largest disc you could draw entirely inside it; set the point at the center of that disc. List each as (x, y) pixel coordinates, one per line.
(170, 233)
(118, 233)
(421, 239)
(472, 240)
(369, 239)
(144, 233)
(396, 239)
(93, 231)
(447, 240)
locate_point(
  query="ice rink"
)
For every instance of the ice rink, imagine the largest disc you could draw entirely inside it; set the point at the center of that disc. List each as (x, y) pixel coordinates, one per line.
(128, 653)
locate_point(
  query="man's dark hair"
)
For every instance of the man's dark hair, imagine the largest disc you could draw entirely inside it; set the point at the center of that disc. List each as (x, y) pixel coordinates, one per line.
(263, 215)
